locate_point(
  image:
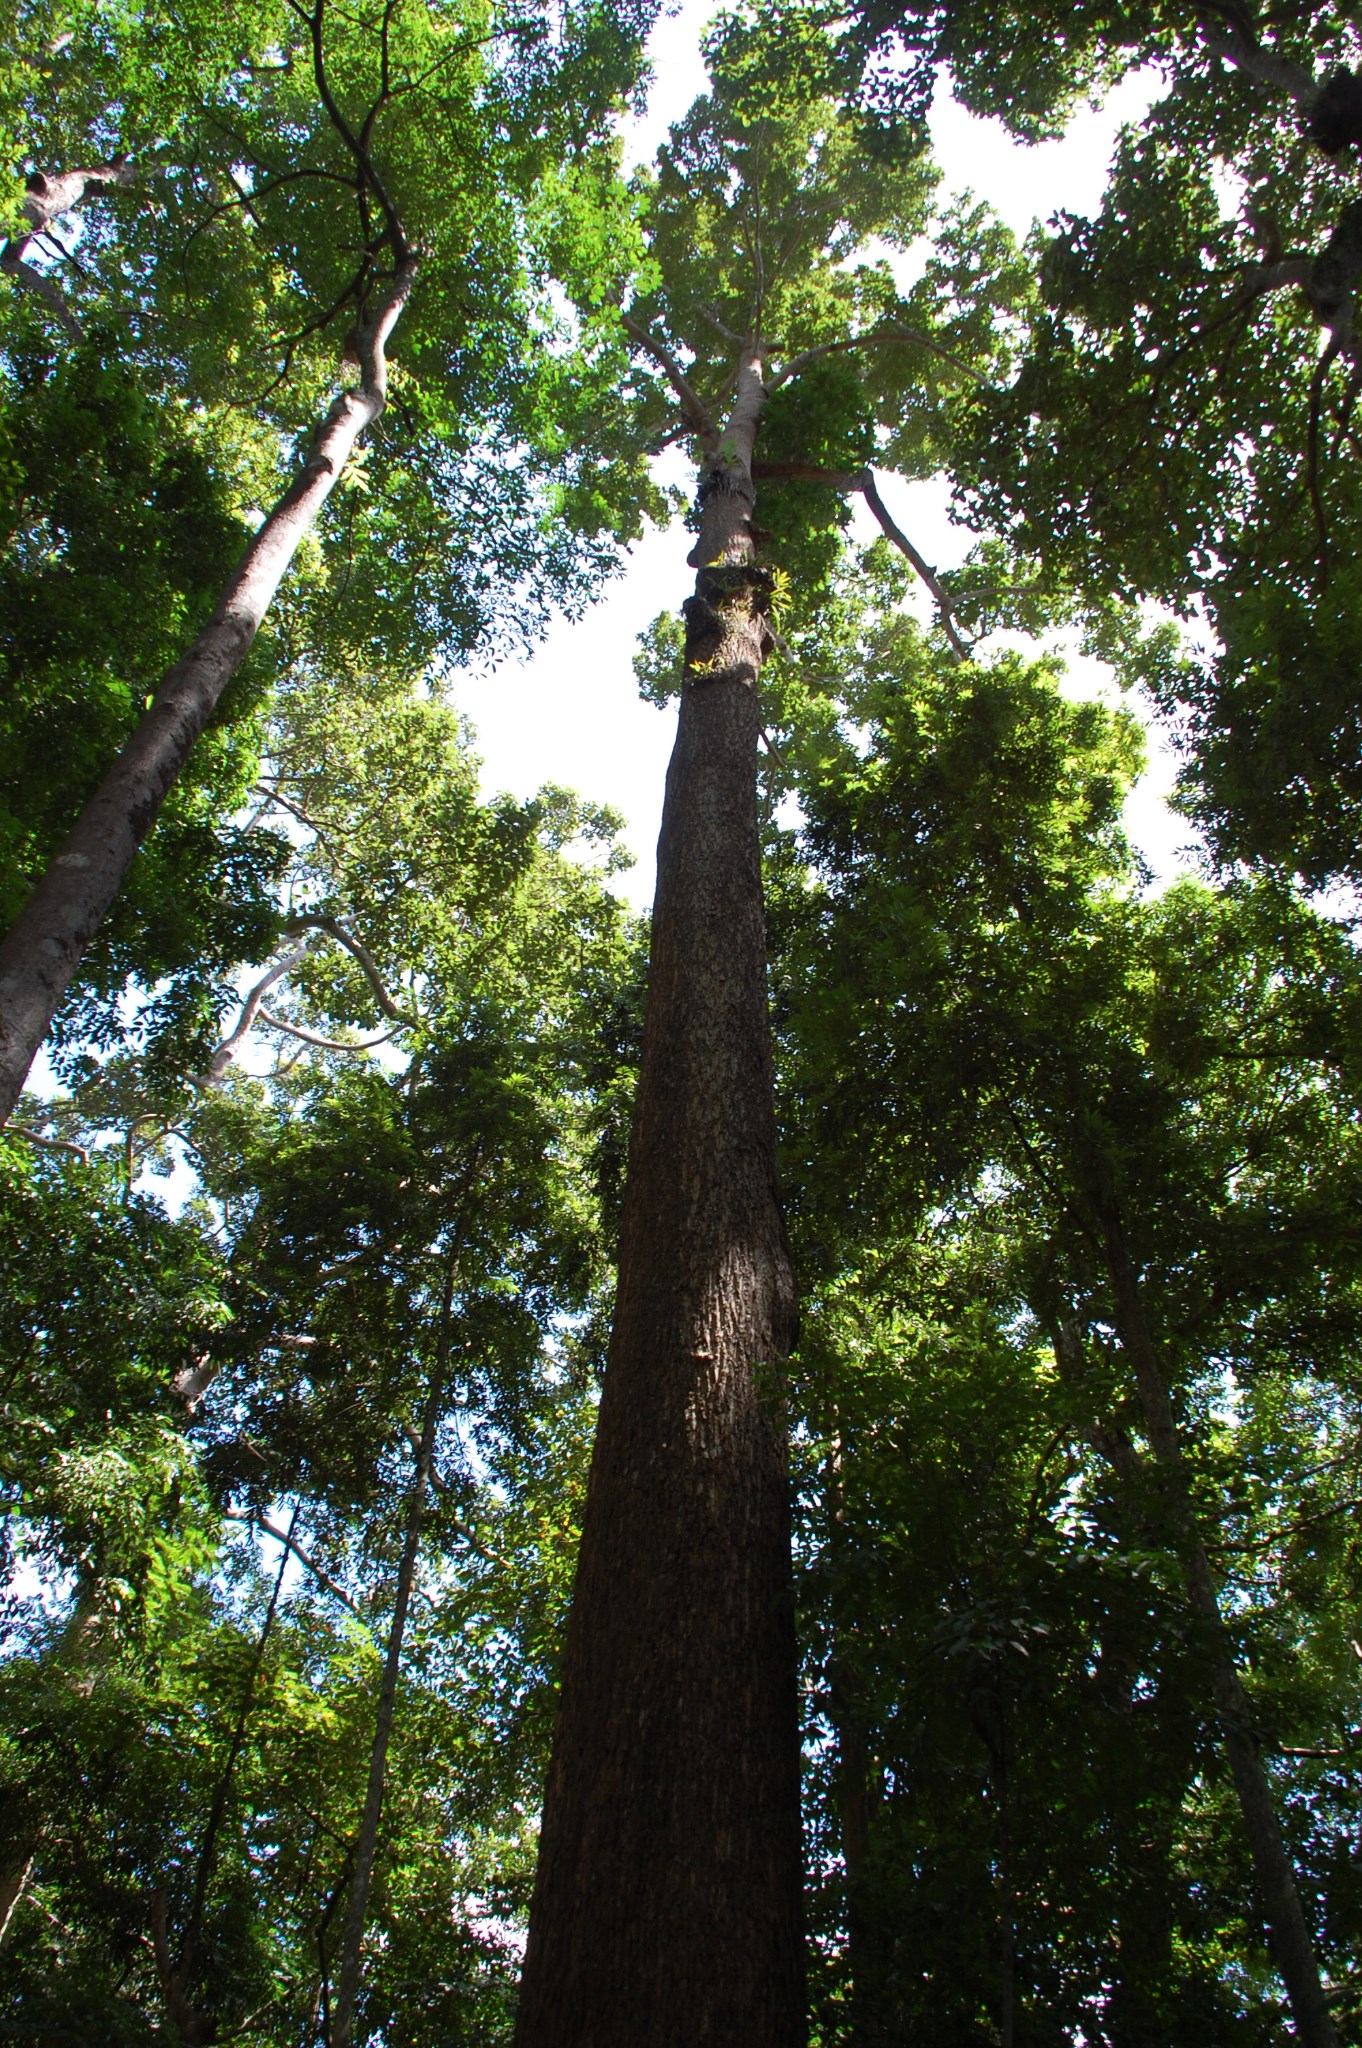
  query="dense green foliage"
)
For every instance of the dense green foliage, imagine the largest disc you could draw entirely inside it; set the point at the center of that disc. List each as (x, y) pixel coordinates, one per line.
(333, 1170)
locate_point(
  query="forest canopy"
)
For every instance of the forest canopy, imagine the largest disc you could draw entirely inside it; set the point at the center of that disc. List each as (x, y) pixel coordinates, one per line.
(780, 1471)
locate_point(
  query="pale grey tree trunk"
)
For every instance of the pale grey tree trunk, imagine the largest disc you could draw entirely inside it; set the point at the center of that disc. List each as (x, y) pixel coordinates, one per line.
(50, 936)
(51, 194)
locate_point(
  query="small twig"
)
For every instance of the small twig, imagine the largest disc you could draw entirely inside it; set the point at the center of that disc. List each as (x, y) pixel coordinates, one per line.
(327, 1044)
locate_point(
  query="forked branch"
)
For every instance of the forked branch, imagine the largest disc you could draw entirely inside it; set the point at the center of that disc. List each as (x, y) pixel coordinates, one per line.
(697, 416)
(863, 481)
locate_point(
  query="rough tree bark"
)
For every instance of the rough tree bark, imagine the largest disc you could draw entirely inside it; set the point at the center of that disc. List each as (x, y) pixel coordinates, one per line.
(49, 938)
(666, 1910)
(1292, 1944)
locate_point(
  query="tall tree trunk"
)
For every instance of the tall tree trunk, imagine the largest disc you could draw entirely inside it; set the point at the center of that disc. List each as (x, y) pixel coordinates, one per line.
(851, 1781)
(666, 1910)
(177, 1977)
(1137, 2012)
(50, 937)
(1292, 1945)
(342, 2027)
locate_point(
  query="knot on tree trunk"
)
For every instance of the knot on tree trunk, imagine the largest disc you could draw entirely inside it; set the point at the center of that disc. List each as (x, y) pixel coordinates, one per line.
(725, 477)
(726, 629)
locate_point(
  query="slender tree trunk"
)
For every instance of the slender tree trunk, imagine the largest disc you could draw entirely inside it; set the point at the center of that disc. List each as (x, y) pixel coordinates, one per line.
(851, 1787)
(52, 933)
(666, 1910)
(14, 1876)
(1137, 2013)
(366, 1847)
(207, 1858)
(1292, 1944)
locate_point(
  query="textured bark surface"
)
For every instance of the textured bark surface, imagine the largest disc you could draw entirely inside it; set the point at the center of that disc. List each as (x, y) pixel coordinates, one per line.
(1292, 1944)
(52, 933)
(667, 1903)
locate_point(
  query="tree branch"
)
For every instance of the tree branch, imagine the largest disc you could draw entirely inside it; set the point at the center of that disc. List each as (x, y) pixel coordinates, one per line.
(443, 1487)
(905, 336)
(43, 1143)
(395, 236)
(327, 1044)
(53, 193)
(863, 480)
(291, 1543)
(49, 195)
(333, 927)
(1246, 54)
(870, 492)
(249, 1010)
(695, 412)
(45, 286)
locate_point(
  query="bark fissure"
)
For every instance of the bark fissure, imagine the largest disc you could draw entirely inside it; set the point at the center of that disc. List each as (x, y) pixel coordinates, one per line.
(667, 1900)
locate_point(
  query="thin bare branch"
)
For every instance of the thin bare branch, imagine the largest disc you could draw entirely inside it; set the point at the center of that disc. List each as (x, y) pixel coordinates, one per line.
(881, 338)
(708, 314)
(870, 492)
(44, 1144)
(694, 410)
(250, 1009)
(863, 480)
(291, 1543)
(327, 1044)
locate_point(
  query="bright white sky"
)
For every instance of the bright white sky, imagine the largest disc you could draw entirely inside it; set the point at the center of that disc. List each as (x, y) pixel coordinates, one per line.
(572, 714)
